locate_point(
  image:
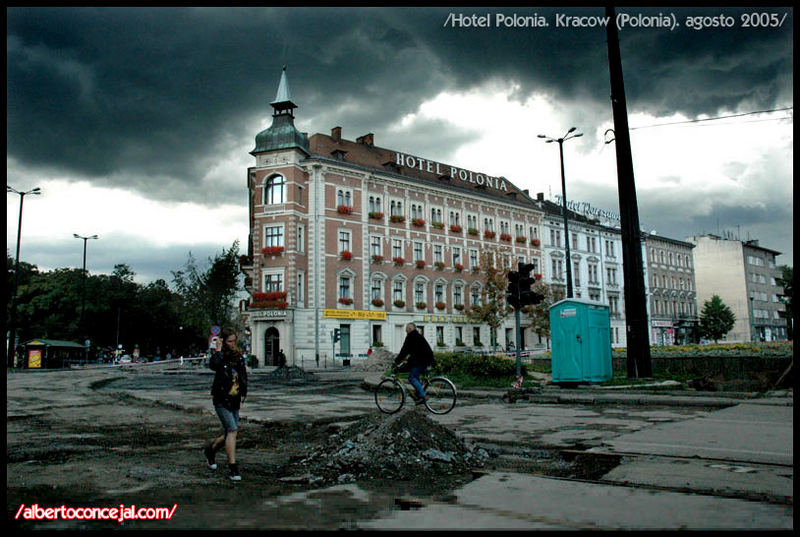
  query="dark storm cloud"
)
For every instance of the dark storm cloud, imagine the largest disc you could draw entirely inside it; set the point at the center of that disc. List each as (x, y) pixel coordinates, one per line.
(150, 98)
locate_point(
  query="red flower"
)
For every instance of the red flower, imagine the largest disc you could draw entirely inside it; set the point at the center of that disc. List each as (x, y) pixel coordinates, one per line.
(347, 255)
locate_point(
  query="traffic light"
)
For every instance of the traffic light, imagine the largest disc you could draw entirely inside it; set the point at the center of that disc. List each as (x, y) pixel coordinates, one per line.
(524, 282)
(512, 292)
(337, 335)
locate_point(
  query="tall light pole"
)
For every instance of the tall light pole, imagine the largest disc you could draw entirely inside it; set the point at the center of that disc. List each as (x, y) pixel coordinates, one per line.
(83, 282)
(561, 141)
(12, 347)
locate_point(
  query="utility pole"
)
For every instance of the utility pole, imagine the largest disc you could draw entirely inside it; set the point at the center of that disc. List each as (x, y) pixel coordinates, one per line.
(635, 301)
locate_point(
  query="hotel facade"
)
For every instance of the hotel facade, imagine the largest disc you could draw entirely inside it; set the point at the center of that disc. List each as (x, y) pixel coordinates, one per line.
(348, 235)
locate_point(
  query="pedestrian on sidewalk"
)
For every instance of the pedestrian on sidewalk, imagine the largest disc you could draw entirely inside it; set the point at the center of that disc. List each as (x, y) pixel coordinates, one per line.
(228, 391)
(420, 357)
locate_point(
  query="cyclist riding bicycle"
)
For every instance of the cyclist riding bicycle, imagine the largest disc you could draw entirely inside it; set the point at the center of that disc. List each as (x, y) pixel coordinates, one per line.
(420, 357)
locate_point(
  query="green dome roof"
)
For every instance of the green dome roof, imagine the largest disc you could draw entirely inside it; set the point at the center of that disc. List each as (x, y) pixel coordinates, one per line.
(281, 135)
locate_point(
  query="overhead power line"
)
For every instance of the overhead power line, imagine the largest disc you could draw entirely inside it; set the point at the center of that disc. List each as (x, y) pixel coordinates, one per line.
(720, 117)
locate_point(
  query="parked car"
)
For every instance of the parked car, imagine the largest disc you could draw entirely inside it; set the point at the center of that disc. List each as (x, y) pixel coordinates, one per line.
(125, 359)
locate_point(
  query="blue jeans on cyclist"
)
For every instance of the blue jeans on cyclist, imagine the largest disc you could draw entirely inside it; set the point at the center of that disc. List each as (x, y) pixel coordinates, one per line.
(413, 377)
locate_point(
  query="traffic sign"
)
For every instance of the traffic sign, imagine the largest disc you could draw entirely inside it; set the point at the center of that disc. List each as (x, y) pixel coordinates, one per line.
(215, 330)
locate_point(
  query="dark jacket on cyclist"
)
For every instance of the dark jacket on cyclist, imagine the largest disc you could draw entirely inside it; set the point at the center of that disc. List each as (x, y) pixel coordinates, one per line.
(417, 349)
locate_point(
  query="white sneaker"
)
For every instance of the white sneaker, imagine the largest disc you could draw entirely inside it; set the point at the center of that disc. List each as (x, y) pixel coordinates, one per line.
(209, 455)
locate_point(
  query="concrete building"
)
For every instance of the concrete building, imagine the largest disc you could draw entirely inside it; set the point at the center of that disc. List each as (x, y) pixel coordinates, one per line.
(671, 290)
(744, 275)
(596, 258)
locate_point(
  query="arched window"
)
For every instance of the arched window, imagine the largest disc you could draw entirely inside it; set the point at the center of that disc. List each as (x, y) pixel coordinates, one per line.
(275, 190)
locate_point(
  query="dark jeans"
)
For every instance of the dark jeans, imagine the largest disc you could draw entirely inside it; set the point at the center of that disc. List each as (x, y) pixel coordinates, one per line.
(413, 377)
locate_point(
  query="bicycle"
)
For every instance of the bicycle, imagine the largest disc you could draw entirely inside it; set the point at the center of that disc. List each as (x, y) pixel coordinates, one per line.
(390, 394)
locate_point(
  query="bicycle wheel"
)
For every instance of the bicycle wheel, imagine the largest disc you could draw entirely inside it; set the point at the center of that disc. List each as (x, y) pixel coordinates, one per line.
(390, 396)
(441, 395)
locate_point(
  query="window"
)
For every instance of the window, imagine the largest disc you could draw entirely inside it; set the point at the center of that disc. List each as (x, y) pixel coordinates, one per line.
(344, 341)
(574, 241)
(273, 283)
(419, 292)
(275, 190)
(344, 241)
(377, 336)
(436, 215)
(376, 289)
(417, 211)
(301, 235)
(344, 287)
(397, 248)
(456, 255)
(397, 290)
(440, 336)
(375, 244)
(375, 204)
(475, 296)
(438, 256)
(476, 335)
(458, 292)
(343, 197)
(418, 251)
(273, 236)
(593, 273)
(439, 292)
(300, 293)
(473, 258)
(396, 208)
(557, 269)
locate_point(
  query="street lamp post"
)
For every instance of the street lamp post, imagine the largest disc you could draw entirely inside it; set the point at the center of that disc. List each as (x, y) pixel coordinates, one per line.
(561, 141)
(12, 347)
(83, 282)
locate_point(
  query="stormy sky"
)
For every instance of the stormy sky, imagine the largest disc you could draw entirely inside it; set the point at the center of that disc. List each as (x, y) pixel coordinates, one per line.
(137, 123)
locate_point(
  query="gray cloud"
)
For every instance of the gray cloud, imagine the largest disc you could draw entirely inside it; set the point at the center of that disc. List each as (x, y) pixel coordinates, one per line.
(153, 99)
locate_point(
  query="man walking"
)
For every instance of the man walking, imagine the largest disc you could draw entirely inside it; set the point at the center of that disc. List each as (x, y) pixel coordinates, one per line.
(420, 357)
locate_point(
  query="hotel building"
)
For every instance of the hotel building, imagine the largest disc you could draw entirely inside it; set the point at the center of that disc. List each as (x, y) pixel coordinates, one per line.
(351, 236)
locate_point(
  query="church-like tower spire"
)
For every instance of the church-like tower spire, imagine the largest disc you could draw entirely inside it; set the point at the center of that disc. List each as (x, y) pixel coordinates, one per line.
(282, 134)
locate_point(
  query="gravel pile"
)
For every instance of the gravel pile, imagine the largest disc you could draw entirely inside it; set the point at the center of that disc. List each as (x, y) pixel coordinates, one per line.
(380, 360)
(400, 446)
(287, 374)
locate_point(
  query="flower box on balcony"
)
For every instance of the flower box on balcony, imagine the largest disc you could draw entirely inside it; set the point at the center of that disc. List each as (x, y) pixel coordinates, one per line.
(346, 301)
(420, 264)
(488, 234)
(272, 250)
(346, 255)
(455, 228)
(476, 269)
(397, 219)
(377, 302)
(537, 276)
(440, 305)
(472, 231)
(376, 216)
(459, 307)
(521, 239)
(438, 225)
(421, 305)
(399, 261)
(505, 237)
(535, 242)
(344, 209)
(377, 258)
(275, 295)
(419, 222)
(439, 265)
(459, 267)
(399, 304)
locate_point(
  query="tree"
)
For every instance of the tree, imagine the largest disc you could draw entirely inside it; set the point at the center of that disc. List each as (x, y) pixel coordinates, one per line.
(492, 309)
(786, 281)
(540, 313)
(207, 297)
(716, 319)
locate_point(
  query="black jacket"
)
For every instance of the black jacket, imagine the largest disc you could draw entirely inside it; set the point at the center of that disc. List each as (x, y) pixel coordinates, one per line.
(416, 347)
(225, 364)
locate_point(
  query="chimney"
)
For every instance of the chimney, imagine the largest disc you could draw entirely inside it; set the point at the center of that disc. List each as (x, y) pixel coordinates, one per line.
(526, 192)
(367, 139)
(336, 134)
(540, 196)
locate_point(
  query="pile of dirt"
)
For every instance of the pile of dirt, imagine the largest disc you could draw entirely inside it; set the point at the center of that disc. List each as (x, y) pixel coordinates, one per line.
(289, 374)
(401, 446)
(380, 360)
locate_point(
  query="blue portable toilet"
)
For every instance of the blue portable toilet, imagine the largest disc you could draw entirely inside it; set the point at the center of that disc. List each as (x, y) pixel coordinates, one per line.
(580, 331)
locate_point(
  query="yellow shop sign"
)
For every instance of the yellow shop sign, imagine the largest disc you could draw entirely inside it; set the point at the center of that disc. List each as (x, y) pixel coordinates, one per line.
(355, 314)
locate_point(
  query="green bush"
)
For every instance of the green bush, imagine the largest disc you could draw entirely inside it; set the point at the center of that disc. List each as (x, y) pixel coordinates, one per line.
(474, 365)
